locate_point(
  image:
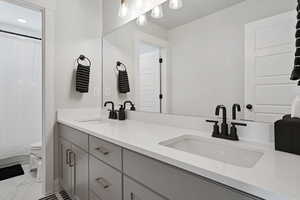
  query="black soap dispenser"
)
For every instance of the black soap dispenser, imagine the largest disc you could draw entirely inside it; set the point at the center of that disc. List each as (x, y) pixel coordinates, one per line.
(122, 113)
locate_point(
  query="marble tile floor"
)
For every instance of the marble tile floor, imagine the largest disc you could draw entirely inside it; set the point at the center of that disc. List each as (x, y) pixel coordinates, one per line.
(21, 187)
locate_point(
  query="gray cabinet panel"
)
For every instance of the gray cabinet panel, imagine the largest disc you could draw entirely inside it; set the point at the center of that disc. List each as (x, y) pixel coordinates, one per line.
(135, 191)
(74, 136)
(174, 183)
(81, 174)
(106, 152)
(66, 179)
(105, 181)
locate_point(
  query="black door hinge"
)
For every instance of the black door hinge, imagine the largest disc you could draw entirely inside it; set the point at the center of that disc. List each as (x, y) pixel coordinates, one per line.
(160, 60)
(161, 96)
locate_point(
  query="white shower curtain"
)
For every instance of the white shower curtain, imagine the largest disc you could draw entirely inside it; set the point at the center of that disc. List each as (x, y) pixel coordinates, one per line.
(20, 94)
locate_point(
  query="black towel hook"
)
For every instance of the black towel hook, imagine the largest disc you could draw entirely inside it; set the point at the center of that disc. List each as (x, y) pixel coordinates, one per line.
(119, 65)
(82, 58)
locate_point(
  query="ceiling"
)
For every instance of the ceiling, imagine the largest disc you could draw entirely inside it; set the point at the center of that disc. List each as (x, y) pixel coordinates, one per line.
(10, 14)
(191, 10)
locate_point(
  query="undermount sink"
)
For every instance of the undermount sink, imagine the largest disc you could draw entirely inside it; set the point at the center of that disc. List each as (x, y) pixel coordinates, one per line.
(216, 150)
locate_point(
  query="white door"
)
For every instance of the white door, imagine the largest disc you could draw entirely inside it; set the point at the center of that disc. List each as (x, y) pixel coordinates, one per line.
(269, 54)
(149, 81)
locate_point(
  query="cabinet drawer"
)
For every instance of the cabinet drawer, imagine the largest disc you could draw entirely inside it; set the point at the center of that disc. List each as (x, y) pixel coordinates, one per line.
(174, 183)
(74, 136)
(135, 191)
(107, 152)
(105, 181)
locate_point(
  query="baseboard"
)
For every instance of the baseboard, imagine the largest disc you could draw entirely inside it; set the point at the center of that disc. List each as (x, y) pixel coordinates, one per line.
(22, 159)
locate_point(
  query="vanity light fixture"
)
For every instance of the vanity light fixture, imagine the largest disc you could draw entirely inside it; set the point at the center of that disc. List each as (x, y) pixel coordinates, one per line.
(123, 10)
(141, 20)
(157, 12)
(175, 4)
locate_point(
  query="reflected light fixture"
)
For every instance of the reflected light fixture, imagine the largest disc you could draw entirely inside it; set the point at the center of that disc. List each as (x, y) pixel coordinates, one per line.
(141, 20)
(157, 12)
(175, 4)
(123, 10)
(23, 21)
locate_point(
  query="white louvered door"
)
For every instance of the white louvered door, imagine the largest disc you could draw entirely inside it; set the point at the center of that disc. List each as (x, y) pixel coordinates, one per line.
(269, 57)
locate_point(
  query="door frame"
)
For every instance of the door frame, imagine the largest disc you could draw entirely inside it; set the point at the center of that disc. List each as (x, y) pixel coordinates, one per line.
(164, 52)
(47, 8)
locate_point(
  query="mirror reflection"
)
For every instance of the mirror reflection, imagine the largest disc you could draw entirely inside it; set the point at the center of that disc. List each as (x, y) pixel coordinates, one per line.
(187, 61)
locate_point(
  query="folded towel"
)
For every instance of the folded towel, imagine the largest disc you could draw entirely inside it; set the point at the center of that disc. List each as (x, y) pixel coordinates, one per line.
(123, 82)
(82, 78)
(297, 54)
(297, 61)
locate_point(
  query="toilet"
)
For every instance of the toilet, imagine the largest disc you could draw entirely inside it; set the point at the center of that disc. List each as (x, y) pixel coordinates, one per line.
(36, 159)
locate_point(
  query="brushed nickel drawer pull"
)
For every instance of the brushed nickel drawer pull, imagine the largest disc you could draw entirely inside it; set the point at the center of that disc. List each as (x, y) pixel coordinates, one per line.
(72, 159)
(102, 150)
(68, 156)
(103, 182)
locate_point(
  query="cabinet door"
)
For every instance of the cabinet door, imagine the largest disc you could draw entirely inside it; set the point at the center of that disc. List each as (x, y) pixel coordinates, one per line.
(80, 159)
(135, 191)
(66, 171)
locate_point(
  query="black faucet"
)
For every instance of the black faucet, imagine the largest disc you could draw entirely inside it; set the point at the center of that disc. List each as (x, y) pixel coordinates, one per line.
(132, 108)
(235, 108)
(112, 113)
(224, 125)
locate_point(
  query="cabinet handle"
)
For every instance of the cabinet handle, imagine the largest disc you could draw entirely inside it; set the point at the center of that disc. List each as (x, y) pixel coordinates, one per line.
(68, 156)
(105, 184)
(72, 161)
(102, 150)
(132, 196)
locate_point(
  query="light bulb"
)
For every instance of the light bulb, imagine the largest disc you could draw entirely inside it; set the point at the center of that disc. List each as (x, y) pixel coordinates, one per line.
(141, 20)
(175, 4)
(123, 10)
(157, 12)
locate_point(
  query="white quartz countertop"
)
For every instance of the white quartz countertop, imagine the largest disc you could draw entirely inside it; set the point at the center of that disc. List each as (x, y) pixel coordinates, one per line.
(276, 176)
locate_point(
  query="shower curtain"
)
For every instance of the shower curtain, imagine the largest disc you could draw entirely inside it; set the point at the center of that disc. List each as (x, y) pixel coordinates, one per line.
(20, 94)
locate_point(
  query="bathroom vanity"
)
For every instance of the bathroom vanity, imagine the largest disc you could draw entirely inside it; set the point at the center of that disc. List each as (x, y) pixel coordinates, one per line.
(92, 167)
(112, 160)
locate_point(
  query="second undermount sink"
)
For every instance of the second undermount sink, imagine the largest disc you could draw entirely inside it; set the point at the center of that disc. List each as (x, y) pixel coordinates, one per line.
(216, 150)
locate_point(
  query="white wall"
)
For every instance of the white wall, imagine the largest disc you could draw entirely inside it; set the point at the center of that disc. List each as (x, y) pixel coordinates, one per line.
(208, 62)
(78, 30)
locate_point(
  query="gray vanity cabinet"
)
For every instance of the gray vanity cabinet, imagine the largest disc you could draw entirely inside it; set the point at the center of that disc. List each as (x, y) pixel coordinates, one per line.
(81, 176)
(135, 191)
(66, 179)
(74, 164)
(105, 181)
(174, 183)
(93, 169)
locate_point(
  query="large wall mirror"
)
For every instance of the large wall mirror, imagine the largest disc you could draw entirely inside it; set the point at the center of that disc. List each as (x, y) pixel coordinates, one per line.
(207, 53)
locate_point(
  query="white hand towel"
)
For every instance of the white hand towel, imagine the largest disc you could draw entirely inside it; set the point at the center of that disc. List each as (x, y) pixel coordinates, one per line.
(296, 107)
